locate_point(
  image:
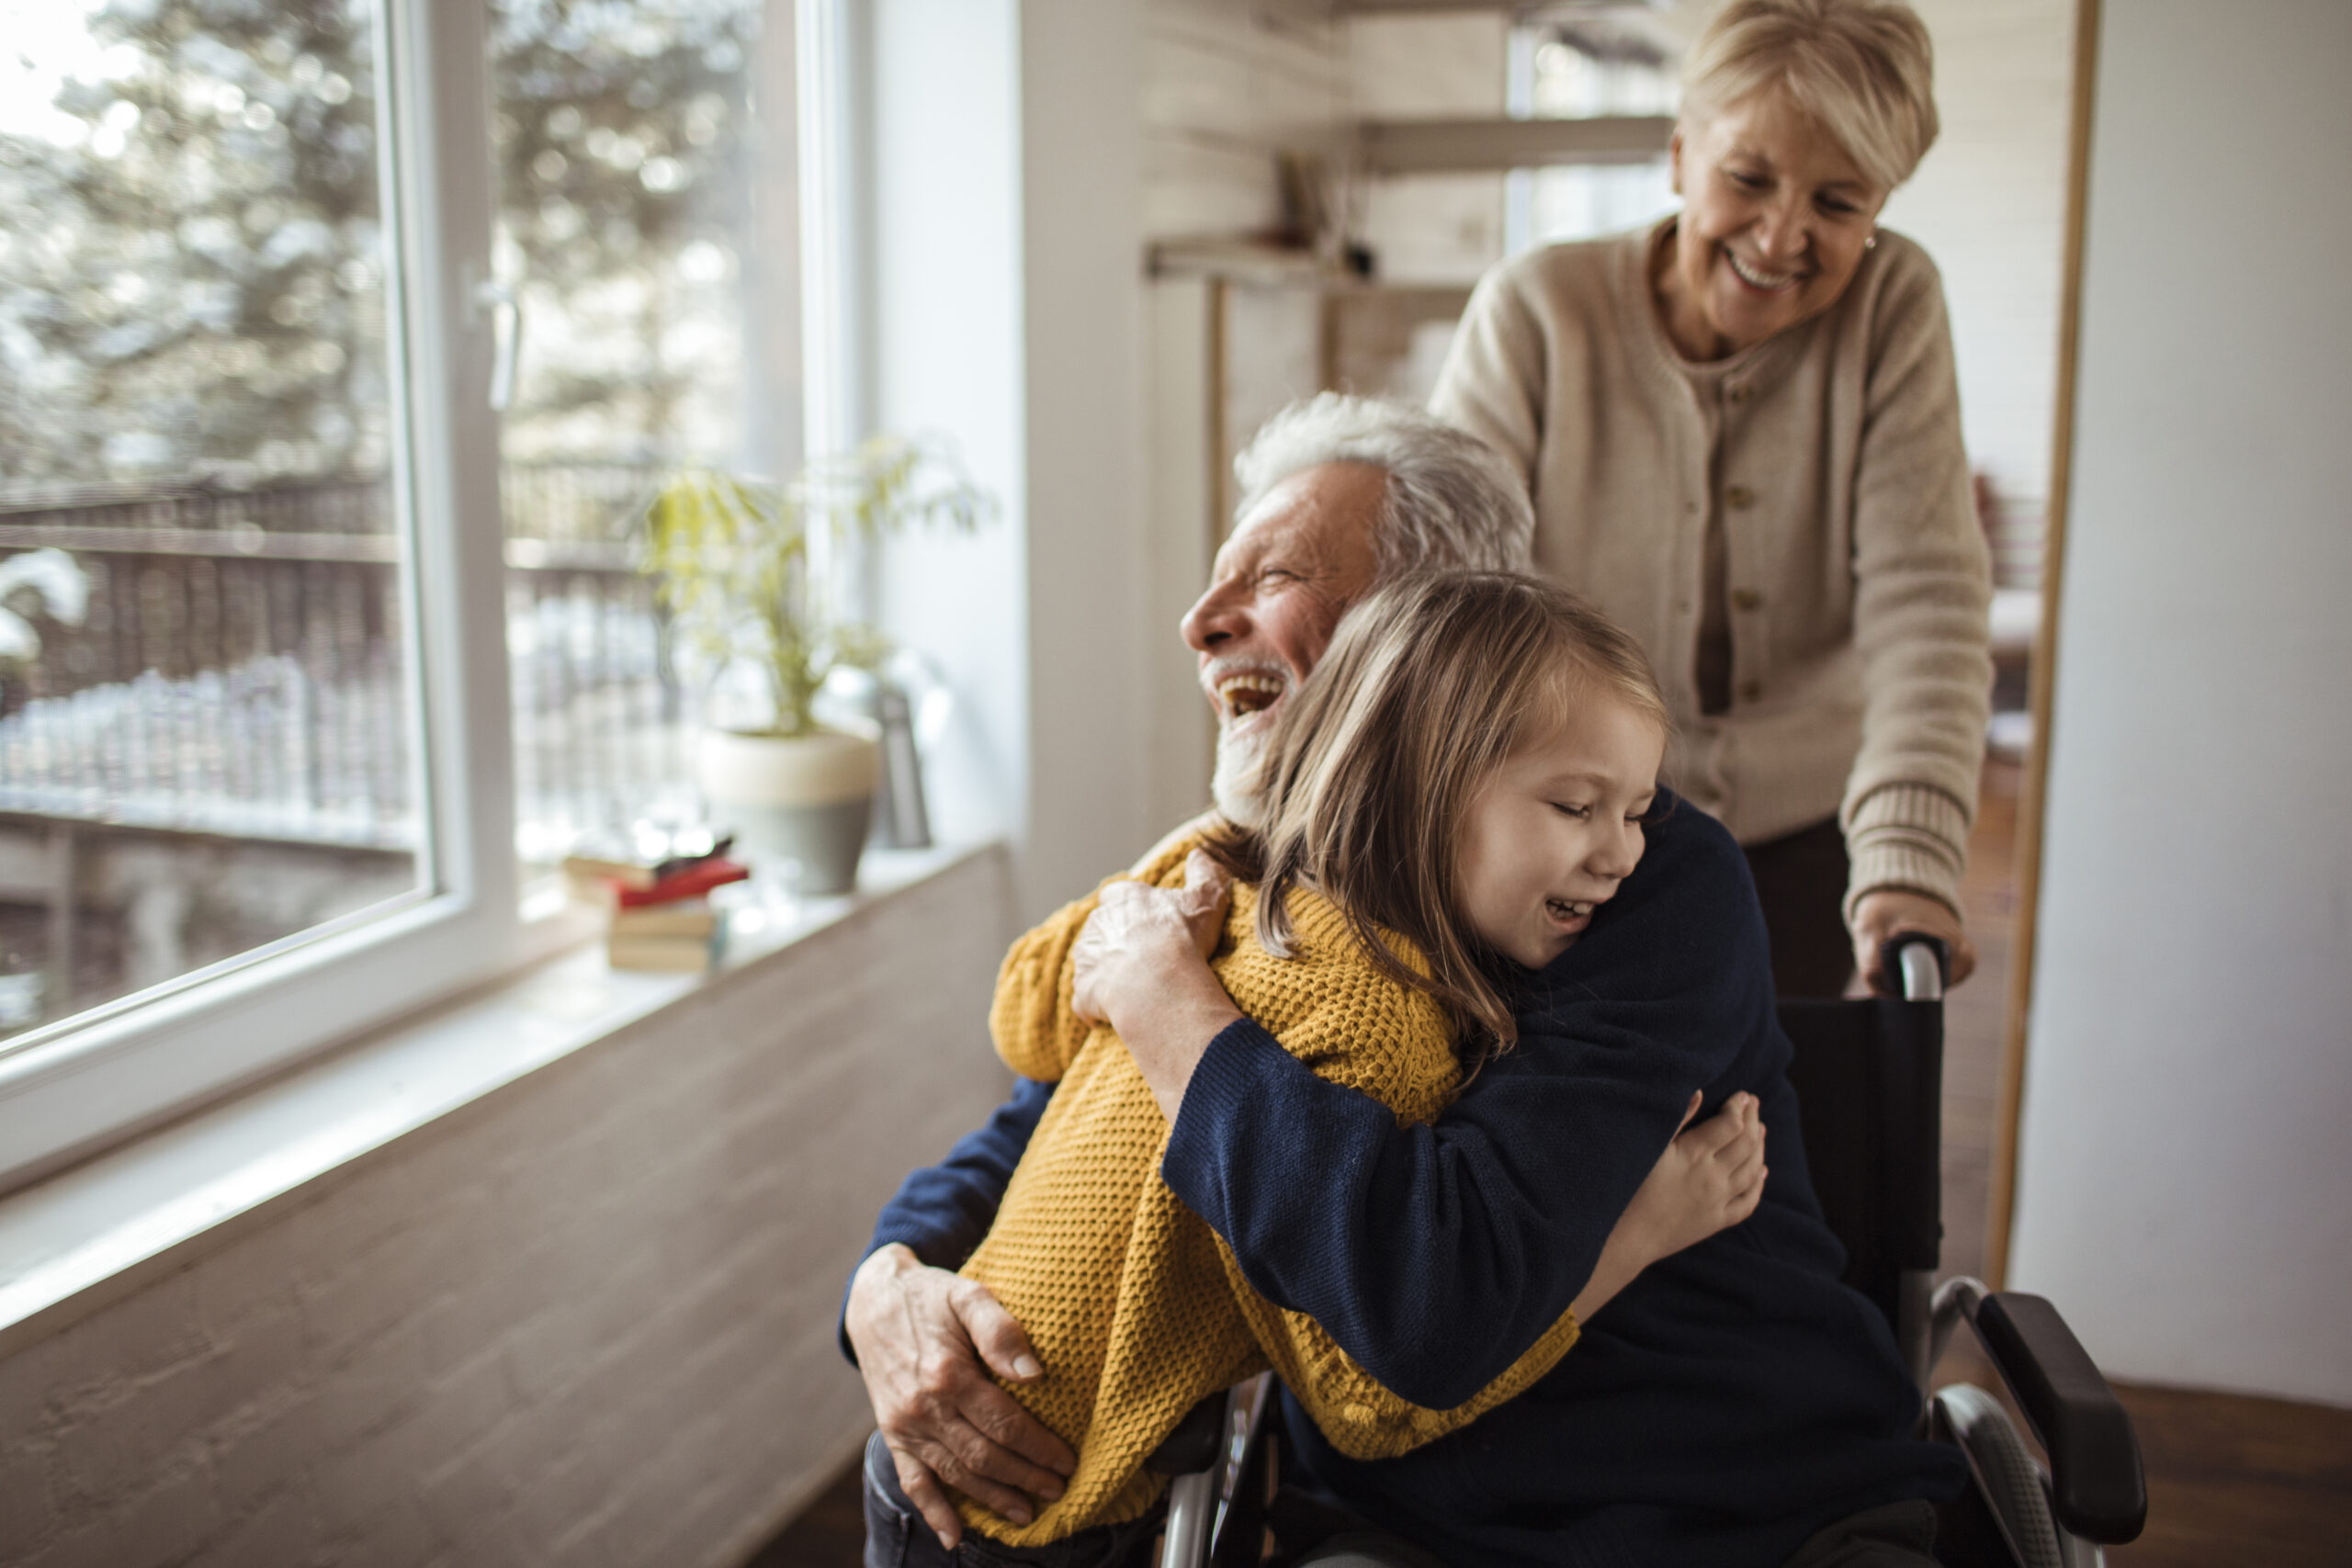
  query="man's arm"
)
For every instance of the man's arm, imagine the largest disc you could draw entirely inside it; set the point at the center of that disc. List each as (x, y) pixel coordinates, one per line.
(1436, 1255)
(926, 1341)
(940, 1211)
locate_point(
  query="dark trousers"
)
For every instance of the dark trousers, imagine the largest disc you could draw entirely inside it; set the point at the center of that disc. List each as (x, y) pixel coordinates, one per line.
(1900, 1535)
(896, 1536)
(1801, 882)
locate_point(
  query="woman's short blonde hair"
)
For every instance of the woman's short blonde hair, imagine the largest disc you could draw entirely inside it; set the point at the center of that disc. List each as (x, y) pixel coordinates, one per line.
(1865, 69)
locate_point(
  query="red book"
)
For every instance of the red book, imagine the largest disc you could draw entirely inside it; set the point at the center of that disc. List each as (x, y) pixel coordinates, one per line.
(692, 881)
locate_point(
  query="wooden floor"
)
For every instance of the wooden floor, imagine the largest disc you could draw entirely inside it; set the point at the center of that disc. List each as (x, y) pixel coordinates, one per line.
(830, 1532)
(2231, 1481)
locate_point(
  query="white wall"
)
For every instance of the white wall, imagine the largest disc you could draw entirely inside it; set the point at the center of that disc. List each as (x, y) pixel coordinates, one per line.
(1008, 315)
(946, 296)
(2184, 1192)
(1083, 380)
(588, 1319)
(1227, 85)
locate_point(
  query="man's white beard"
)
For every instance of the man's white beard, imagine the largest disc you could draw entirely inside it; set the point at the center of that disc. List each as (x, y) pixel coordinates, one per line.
(1240, 743)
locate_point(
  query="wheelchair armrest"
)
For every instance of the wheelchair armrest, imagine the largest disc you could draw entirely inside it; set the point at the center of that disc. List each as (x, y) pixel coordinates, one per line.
(1193, 1446)
(2097, 1489)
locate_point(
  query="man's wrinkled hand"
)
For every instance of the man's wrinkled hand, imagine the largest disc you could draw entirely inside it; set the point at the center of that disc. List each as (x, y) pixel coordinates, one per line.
(1881, 916)
(1139, 936)
(926, 1341)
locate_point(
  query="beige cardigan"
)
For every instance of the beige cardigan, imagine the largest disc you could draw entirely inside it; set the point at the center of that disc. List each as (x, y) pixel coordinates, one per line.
(1857, 581)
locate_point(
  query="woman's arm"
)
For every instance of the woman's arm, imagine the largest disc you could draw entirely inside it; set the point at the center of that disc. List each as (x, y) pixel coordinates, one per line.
(1492, 382)
(931, 1346)
(1922, 585)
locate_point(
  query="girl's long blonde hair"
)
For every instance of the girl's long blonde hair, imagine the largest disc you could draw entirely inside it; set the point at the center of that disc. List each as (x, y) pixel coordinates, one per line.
(1368, 774)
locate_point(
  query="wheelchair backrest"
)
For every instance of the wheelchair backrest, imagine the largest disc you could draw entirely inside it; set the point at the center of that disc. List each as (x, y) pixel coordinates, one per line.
(1869, 1077)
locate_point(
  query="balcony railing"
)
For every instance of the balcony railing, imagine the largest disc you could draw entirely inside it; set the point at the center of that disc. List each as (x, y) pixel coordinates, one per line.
(239, 671)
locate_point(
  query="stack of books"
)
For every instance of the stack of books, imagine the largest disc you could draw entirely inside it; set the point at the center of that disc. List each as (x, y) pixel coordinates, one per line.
(660, 914)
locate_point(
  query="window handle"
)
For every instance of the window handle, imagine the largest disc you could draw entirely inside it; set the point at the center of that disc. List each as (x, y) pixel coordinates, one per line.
(502, 304)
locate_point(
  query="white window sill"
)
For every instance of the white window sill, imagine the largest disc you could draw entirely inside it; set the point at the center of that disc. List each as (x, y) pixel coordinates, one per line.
(93, 1233)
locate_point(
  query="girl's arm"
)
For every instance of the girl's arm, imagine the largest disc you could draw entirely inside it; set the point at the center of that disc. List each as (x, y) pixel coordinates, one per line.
(1708, 1178)
(1036, 1030)
(1030, 1018)
(1437, 1254)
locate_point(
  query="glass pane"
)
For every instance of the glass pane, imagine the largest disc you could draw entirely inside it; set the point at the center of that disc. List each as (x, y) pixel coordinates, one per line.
(646, 223)
(1597, 67)
(205, 712)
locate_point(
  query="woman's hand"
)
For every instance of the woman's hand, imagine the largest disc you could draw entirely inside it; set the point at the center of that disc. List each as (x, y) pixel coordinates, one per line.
(1141, 965)
(1881, 916)
(926, 1341)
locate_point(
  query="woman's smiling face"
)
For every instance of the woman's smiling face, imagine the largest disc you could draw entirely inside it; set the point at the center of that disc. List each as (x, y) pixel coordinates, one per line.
(1775, 220)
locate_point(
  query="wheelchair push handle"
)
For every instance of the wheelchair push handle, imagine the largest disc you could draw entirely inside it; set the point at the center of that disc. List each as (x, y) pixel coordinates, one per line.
(1915, 966)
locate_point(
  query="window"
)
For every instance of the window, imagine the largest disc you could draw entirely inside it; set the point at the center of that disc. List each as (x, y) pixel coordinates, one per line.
(646, 233)
(1608, 64)
(304, 660)
(206, 703)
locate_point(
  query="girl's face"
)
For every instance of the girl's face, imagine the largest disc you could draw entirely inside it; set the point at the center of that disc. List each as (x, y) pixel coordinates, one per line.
(1557, 827)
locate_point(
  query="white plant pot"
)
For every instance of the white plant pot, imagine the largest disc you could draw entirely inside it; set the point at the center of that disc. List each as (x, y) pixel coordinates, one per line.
(808, 798)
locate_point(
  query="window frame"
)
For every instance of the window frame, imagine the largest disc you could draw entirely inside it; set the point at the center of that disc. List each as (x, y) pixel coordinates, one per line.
(124, 1068)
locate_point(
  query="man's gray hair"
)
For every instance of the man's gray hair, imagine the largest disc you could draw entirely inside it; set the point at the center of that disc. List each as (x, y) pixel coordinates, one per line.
(1451, 503)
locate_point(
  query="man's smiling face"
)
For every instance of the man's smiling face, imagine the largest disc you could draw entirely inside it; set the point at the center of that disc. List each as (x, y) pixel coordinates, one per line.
(1299, 558)
(1302, 555)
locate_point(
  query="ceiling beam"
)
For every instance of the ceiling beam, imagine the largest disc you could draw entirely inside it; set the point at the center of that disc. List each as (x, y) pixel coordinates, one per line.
(1470, 146)
(1399, 7)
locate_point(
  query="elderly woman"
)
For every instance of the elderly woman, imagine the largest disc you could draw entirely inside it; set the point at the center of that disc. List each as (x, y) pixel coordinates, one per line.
(1742, 435)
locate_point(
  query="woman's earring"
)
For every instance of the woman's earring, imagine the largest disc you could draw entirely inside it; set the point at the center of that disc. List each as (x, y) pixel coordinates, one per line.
(1871, 244)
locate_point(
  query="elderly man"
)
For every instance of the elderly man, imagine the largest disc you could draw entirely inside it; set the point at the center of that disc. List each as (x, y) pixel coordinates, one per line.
(1435, 1254)
(1340, 494)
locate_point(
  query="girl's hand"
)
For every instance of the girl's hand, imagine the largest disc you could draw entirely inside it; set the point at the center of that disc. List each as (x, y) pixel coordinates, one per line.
(1710, 1179)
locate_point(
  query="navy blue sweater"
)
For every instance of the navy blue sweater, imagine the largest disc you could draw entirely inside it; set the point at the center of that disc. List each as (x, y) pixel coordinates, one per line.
(1727, 1403)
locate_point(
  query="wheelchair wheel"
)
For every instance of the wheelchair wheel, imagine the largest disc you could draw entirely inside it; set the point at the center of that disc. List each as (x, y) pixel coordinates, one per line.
(2005, 1474)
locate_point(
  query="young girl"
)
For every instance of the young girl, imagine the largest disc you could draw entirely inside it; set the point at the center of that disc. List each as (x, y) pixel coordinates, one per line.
(1404, 871)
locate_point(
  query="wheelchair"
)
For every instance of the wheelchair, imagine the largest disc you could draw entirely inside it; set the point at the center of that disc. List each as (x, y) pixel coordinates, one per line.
(1869, 1077)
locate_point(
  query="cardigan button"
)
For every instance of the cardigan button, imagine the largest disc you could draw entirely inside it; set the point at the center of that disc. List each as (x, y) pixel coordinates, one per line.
(1751, 691)
(1746, 599)
(1740, 496)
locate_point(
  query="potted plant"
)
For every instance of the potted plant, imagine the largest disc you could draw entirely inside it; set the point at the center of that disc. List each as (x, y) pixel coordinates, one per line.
(731, 559)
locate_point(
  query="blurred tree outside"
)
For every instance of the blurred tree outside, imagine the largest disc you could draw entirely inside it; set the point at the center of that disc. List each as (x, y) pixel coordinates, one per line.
(626, 141)
(193, 261)
(191, 280)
